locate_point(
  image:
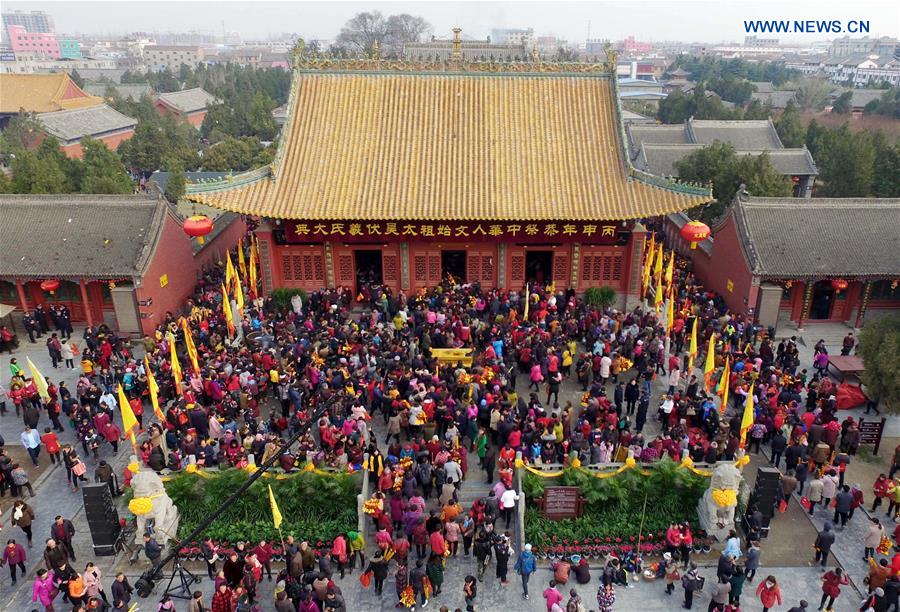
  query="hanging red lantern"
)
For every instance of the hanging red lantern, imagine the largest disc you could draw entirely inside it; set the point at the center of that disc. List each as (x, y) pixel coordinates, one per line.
(198, 226)
(50, 285)
(839, 284)
(694, 232)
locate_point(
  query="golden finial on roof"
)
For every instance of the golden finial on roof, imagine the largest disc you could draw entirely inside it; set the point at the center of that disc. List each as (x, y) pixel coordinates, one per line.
(612, 58)
(535, 55)
(456, 52)
(376, 50)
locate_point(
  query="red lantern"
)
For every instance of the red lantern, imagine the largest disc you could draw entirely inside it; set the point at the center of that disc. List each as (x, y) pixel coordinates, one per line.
(51, 285)
(839, 284)
(694, 232)
(197, 227)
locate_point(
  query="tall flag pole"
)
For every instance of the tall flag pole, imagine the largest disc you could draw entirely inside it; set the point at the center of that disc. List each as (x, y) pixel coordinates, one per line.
(253, 263)
(229, 271)
(153, 388)
(176, 367)
(40, 382)
(226, 310)
(242, 263)
(239, 296)
(692, 351)
(710, 367)
(670, 310)
(670, 268)
(747, 419)
(129, 421)
(724, 384)
(658, 297)
(527, 301)
(189, 344)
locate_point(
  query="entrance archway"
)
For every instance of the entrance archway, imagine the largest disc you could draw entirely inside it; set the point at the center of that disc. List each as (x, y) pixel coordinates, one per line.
(538, 266)
(822, 301)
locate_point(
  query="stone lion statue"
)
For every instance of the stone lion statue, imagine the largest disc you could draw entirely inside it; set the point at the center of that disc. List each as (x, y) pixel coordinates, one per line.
(716, 507)
(150, 502)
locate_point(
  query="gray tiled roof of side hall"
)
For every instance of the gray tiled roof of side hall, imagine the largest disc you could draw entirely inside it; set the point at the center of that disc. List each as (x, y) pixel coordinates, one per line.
(763, 86)
(130, 90)
(742, 135)
(661, 159)
(778, 99)
(654, 134)
(820, 237)
(64, 236)
(188, 100)
(71, 125)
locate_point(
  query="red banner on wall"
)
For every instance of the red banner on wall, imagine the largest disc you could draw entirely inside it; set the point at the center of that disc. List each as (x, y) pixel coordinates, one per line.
(520, 232)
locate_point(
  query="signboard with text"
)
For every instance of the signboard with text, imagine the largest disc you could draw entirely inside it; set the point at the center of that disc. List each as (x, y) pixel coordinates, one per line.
(870, 432)
(561, 502)
(524, 232)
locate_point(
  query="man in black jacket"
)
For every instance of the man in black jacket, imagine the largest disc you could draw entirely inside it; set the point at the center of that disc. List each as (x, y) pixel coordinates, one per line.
(779, 444)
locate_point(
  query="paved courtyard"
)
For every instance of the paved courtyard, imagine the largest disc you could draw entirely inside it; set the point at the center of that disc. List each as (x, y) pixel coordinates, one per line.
(55, 497)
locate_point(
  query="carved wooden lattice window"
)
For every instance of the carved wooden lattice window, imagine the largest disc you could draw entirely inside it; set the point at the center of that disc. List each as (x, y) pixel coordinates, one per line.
(286, 267)
(318, 268)
(560, 267)
(517, 272)
(617, 268)
(597, 272)
(586, 268)
(307, 268)
(434, 268)
(472, 262)
(487, 269)
(345, 268)
(389, 268)
(297, 266)
(420, 265)
(607, 267)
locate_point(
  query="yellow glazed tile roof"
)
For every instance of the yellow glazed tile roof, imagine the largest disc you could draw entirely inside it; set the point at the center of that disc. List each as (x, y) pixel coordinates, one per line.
(41, 93)
(449, 146)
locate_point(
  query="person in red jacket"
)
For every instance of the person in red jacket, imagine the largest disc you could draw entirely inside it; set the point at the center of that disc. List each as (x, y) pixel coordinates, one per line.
(769, 593)
(14, 556)
(882, 488)
(51, 441)
(264, 552)
(831, 587)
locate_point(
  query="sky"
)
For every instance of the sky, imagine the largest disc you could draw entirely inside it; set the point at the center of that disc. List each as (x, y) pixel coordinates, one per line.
(684, 20)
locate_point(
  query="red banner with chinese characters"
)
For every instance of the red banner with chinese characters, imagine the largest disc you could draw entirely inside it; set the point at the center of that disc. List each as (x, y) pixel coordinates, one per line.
(405, 231)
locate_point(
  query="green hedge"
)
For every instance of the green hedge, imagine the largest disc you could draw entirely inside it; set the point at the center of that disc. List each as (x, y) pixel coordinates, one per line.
(614, 505)
(313, 507)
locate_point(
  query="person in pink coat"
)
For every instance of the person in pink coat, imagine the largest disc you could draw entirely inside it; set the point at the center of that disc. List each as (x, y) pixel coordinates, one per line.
(339, 553)
(43, 590)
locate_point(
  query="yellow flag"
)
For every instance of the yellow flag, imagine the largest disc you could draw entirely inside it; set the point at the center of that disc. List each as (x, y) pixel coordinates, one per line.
(239, 296)
(153, 388)
(747, 419)
(710, 368)
(189, 344)
(276, 513)
(645, 276)
(527, 301)
(670, 310)
(658, 299)
(253, 262)
(39, 381)
(670, 269)
(176, 367)
(658, 266)
(722, 388)
(229, 271)
(129, 421)
(226, 310)
(242, 264)
(692, 351)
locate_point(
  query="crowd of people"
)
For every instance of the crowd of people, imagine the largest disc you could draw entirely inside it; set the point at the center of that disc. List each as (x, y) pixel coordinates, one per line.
(245, 391)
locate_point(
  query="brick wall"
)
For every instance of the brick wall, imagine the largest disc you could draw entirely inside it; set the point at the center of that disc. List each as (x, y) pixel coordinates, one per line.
(726, 264)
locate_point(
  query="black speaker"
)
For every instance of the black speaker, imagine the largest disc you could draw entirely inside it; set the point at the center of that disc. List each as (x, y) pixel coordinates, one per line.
(767, 491)
(102, 518)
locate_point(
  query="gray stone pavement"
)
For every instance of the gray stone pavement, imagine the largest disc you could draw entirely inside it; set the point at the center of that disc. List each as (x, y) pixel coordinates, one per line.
(54, 495)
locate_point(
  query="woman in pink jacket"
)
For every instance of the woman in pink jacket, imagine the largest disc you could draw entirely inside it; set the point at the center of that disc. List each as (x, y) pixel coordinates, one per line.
(43, 589)
(339, 552)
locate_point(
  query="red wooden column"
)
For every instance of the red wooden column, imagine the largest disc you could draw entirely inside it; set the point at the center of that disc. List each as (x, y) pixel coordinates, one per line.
(87, 304)
(23, 301)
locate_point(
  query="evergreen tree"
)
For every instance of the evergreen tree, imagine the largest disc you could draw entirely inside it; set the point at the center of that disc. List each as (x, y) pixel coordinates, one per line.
(789, 126)
(176, 184)
(103, 170)
(846, 163)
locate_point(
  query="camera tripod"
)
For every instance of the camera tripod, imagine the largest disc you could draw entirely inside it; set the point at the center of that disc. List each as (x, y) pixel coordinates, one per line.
(182, 590)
